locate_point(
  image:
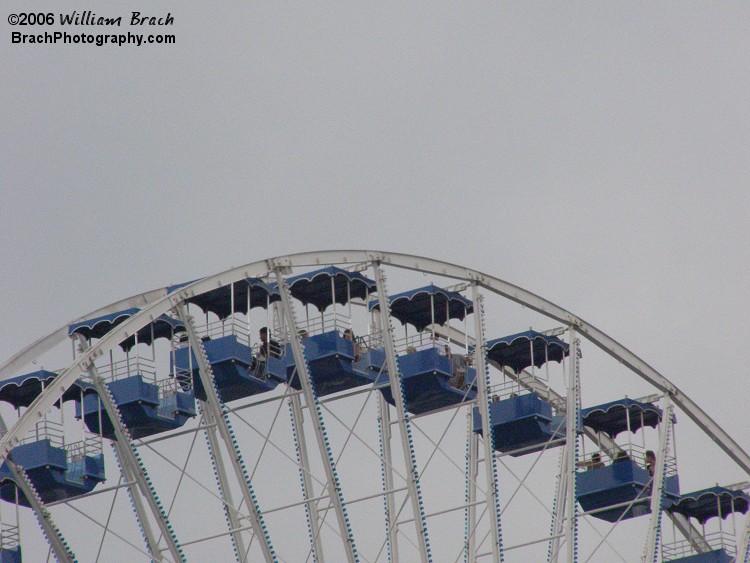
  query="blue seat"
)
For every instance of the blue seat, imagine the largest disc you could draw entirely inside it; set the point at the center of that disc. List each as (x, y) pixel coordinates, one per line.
(621, 482)
(52, 476)
(522, 423)
(330, 358)
(427, 376)
(236, 373)
(141, 409)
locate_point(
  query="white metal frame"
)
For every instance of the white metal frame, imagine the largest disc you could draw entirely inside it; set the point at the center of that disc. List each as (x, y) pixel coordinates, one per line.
(156, 302)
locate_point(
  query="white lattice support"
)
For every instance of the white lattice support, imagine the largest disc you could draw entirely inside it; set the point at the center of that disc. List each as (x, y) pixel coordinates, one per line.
(333, 484)
(472, 474)
(651, 548)
(571, 450)
(490, 465)
(136, 500)
(59, 546)
(295, 406)
(134, 471)
(394, 376)
(558, 510)
(222, 481)
(218, 414)
(384, 421)
(743, 549)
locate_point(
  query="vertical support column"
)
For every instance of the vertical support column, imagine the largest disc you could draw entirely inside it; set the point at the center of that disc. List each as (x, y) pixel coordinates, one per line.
(59, 546)
(221, 418)
(472, 474)
(743, 549)
(222, 481)
(407, 442)
(490, 465)
(134, 470)
(386, 460)
(311, 506)
(571, 449)
(311, 399)
(657, 485)
(558, 510)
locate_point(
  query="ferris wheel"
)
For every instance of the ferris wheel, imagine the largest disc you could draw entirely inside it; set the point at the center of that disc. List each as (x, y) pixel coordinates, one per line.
(353, 406)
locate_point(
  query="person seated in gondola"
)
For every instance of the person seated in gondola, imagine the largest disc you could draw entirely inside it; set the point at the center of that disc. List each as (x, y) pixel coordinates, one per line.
(349, 335)
(441, 345)
(268, 347)
(622, 455)
(650, 464)
(594, 463)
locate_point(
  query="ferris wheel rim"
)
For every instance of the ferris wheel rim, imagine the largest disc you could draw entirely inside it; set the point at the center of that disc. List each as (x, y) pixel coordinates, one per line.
(161, 302)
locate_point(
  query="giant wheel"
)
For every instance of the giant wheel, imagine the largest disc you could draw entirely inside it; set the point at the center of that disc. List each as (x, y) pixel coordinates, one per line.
(352, 405)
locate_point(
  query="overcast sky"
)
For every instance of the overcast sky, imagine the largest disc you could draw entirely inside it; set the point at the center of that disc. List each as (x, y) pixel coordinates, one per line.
(593, 153)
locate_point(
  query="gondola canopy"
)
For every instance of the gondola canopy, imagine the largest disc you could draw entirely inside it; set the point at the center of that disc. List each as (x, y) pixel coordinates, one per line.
(612, 418)
(219, 301)
(425, 305)
(322, 287)
(515, 351)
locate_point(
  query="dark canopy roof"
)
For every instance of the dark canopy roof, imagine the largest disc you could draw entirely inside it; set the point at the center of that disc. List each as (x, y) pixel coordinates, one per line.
(414, 307)
(163, 327)
(219, 300)
(99, 326)
(21, 391)
(314, 287)
(611, 418)
(514, 351)
(715, 501)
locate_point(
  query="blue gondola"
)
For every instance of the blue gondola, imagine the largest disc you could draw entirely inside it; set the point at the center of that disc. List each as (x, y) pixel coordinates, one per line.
(522, 425)
(143, 411)
(329, 356)
(54, 476)
(236, 373)
(429, 383)
(623, 481)
(706, 504)
(431, 379)
(330, 359)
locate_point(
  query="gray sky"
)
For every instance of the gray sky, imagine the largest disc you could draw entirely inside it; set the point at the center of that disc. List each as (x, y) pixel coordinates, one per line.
(595, 154)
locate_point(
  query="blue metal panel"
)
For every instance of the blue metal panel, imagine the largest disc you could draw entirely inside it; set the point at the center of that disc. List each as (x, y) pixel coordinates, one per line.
(11, 555)
(426, 378)
(143, 413)
(330, 358)
(48, 471)
(373, 364)
(521, 422)
(716, 556)
(234, 369)
(620, 482)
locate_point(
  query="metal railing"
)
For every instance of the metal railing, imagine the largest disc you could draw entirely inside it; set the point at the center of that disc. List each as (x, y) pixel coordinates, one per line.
(683, 548)
(90, 446)
(132, 365)
(46, 430)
